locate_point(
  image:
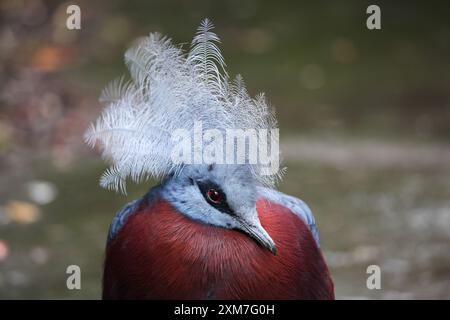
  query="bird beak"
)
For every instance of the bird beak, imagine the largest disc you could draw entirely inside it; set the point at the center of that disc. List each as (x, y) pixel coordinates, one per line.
(258, 233)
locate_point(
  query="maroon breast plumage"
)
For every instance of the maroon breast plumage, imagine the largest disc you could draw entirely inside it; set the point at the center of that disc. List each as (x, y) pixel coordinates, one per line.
(161, 254)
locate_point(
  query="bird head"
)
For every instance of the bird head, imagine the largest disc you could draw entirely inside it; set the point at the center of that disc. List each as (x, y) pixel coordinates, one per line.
(171, 90)
(221, 195)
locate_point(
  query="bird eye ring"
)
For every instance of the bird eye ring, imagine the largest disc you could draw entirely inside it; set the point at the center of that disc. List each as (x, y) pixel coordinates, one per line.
(214, 196)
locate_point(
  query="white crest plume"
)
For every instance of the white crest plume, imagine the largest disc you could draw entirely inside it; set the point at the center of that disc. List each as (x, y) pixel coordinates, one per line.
(169, 90)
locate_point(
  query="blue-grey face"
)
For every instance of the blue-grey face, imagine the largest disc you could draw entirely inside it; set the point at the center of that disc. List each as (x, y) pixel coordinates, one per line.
(220, 195)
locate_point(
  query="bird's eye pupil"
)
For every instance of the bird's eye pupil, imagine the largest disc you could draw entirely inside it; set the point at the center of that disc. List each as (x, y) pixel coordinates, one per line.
(214, 196)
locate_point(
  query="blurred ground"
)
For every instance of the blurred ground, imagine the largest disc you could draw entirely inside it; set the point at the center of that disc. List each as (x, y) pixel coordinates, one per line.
(364, 118)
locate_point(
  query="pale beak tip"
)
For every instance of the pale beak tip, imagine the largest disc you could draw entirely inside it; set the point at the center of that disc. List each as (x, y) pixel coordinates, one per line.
(260, 235)
(273, 249)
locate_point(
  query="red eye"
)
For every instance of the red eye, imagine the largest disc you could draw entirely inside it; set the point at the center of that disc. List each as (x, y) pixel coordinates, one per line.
(214, 196)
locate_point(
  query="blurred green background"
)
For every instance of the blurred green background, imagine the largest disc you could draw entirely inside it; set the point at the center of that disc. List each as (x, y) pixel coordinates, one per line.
(364, 120)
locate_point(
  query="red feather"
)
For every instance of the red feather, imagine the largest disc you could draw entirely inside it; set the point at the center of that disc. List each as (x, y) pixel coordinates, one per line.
(161, 254)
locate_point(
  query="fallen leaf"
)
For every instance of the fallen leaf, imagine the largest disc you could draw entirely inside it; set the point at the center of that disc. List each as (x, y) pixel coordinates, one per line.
(22, 212)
